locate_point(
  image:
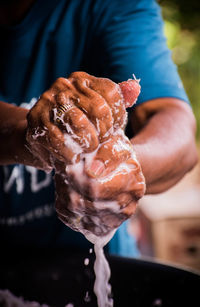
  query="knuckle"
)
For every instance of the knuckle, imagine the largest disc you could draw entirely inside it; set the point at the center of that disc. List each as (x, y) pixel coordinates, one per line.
(78, 75)
(60, 80)
(46, 96)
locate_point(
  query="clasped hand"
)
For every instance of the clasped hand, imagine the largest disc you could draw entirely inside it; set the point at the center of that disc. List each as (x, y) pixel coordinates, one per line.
(77, 127)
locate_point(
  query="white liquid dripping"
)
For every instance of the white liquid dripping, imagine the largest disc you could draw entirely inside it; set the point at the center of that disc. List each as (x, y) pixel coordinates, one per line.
(86, 261)
(102, 288)
(87, 298)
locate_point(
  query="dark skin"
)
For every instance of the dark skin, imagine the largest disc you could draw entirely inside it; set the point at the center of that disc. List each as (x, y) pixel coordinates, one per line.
(165, 142)
(90, 126)
(164, 134)
(166, 151)
(168, 141)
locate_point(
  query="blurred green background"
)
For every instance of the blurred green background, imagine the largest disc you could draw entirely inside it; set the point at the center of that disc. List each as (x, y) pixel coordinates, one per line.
(182, 28)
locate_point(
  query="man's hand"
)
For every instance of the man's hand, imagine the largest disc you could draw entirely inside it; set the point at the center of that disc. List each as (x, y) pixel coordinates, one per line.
(83, 214)
(76, 127)
(74, 116)
(100, 192)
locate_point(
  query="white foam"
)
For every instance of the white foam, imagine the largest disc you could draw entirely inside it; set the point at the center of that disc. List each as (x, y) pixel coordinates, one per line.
(86, 261)
(111, 205)
(72, 144)
(87, 297)
(102, 288)
(100, 234)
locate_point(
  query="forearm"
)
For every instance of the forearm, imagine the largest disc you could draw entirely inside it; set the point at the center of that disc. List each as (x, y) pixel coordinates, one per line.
(165, 145)
(13, 126)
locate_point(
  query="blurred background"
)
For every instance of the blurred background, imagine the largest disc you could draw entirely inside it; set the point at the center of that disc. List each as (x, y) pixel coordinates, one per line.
(167, 226)
(182, 29)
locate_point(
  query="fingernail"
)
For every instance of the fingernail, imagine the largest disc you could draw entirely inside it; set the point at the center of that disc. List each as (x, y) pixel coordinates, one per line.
(130, 90)
(96, 169)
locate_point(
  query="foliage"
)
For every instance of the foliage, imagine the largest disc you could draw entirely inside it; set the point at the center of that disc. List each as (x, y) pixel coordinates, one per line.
(182, 28)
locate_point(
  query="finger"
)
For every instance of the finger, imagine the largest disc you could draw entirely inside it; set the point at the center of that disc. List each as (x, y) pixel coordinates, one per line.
(43, 132)
(76, 124)
(111, 92)
(130, 209)
(109, 156)
(60, 85)
(73, 120)
(130, 91)
(127, 203)
(127, 177)
(69, 204)
(62, 146)
(92, 104)
(69, 199)
(118, 96)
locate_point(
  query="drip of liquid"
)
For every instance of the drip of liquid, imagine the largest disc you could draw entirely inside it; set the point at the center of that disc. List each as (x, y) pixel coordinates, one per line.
(86, 261)
(87, 298)
(100, 231)
(102, 288)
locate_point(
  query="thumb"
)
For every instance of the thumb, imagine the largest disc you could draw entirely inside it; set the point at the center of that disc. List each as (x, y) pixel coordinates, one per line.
(109, 156)
(130, 91)
(96, 169)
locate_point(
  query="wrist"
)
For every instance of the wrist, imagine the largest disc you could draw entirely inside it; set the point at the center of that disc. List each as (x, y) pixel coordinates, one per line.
(15, 149)
(25, 154)
(21, 153)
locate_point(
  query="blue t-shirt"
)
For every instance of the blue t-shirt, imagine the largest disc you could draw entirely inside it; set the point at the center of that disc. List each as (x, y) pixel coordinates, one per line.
(110, 38)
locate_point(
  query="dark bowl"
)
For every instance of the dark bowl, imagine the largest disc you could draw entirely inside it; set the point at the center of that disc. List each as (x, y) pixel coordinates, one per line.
(57, 277)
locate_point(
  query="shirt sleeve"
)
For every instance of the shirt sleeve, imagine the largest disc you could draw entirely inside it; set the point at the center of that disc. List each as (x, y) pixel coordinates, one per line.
(129, 40)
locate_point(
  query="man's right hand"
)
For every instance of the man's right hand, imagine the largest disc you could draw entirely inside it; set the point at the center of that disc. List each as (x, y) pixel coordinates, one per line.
(98, 194)
(74, 116)
(95, 109)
